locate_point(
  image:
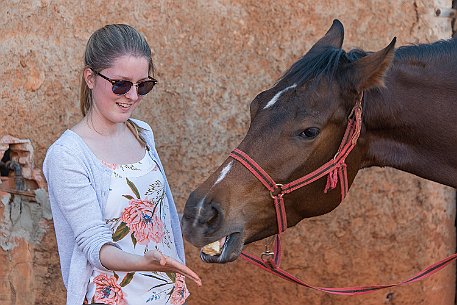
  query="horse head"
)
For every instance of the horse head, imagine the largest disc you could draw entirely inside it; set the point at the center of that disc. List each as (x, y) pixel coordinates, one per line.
(296, 126)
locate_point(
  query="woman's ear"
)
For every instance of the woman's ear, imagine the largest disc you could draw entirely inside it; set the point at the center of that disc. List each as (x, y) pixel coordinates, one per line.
(89, 77)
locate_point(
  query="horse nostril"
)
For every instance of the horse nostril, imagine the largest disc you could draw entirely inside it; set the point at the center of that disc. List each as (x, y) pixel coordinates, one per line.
(211, 216)
(202, 215)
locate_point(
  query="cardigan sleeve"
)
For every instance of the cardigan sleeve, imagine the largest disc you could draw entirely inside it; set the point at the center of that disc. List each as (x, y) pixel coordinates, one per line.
(72, 192)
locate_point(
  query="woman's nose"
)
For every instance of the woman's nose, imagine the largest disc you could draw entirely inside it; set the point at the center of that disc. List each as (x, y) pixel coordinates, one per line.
(132, 93)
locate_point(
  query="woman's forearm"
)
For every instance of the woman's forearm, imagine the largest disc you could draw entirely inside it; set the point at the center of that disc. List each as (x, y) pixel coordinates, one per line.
(113, 258)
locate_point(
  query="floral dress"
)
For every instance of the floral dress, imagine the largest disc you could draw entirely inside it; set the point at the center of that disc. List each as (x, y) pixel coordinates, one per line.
(138, 214)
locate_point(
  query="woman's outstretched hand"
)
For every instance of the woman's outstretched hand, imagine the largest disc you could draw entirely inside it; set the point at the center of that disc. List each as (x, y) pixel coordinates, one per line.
(114, 258)
(159, 262)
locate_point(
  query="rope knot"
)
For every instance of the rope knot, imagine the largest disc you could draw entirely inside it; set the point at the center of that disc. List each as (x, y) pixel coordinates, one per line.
(332, 178)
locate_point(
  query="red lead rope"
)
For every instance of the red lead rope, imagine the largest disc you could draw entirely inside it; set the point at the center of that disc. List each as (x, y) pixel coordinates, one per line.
(336, 171)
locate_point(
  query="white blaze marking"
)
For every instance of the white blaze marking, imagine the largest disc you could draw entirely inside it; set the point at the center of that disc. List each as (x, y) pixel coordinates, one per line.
(199, 208)
(278, 95)
(224, 172)
(199, 211)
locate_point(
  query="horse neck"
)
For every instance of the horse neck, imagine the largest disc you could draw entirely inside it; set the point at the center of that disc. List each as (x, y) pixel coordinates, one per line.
(411, 123)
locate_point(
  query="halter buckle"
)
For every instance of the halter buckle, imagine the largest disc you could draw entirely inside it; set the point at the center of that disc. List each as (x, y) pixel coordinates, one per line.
(267, 253)
(267, 256)
(277, 191)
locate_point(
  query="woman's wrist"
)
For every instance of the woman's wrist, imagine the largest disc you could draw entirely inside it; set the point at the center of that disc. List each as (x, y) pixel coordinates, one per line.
(115, 259)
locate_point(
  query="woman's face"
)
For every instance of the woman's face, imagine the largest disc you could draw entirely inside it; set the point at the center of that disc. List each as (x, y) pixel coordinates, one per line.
(108, 107)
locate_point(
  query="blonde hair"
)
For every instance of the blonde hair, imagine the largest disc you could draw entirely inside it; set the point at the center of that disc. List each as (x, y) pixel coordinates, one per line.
(136, 130)
(103, 47)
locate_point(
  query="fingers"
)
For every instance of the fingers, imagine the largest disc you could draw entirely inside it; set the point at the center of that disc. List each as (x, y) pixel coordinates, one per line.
(165, 263)
(184, 270)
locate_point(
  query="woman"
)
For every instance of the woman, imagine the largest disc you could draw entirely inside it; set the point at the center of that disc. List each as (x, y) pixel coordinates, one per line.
(117, 228)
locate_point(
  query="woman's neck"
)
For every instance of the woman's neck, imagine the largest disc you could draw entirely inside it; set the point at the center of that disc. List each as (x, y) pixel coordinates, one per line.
(103, 127)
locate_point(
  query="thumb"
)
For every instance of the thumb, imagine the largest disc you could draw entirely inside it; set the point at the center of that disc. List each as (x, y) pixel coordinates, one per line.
(162, 259)
(157, 256)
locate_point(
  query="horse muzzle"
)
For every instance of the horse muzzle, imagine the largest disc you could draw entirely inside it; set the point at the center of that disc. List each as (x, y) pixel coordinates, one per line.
(203, 224)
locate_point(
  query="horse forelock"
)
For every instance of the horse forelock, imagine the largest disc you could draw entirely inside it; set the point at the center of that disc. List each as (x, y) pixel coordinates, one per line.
(314, 65)
(311, 68)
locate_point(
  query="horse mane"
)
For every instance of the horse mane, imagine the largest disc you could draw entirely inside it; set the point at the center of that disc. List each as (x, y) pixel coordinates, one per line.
(324, 61)
(428, 51)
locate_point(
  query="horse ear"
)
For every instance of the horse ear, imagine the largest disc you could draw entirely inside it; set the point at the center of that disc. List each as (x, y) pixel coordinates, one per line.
(368, 72)
(333, 38)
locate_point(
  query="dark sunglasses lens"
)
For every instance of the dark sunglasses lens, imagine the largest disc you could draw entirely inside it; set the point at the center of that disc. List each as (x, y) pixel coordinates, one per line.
(122, 87)
(145, 87)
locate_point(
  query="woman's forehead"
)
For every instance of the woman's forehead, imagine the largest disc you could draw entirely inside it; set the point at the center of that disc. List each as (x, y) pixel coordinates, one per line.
(130, 66)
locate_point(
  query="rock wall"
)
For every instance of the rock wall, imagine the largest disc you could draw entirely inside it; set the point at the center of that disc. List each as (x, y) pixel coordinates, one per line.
(212, 58)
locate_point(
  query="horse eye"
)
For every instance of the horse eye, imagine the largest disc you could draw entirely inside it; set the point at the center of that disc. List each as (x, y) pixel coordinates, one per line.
(310, 133)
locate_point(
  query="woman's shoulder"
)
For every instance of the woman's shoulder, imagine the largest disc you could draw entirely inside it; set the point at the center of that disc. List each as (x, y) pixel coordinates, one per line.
(68, 139)
(69, 154)
(69, 143)
(145, 130)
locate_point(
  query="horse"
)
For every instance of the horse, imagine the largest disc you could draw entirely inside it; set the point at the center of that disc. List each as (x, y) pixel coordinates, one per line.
(329, 115)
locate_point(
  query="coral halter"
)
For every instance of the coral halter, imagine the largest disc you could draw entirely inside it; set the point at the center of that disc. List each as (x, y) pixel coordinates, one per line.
(336, 171)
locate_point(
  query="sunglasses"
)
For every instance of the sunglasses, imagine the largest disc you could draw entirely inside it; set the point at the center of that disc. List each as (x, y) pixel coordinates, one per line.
(121, 87)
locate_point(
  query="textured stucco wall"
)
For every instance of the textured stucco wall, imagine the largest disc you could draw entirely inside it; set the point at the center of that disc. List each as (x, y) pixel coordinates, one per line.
(212, 58)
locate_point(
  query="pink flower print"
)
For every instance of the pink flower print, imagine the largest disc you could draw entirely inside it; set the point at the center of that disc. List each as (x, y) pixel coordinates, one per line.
(107, 290)
(145, 225)
(180, 292)
(158, 229)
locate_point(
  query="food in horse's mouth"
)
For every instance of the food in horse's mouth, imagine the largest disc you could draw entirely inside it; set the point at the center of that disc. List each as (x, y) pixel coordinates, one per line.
(214, 248)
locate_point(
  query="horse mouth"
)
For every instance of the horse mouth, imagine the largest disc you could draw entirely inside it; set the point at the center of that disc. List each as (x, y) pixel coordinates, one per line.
(226, 249)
